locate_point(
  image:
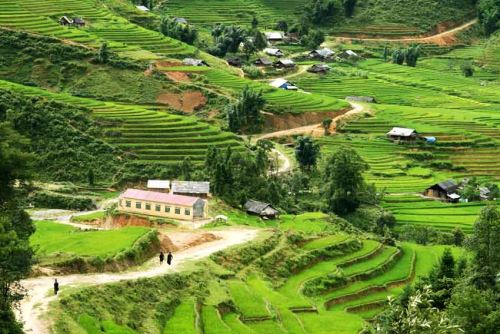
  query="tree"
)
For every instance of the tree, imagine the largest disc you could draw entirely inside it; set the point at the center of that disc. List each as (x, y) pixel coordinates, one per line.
(484, 243)
(386, 53)
(467, 69)
(259, 40)
(103, 55)
(255, 23)
(458, 236)
(282, 25)
(327, 122)
(249, 48)
(187, 168)
(398, 57)
(417, 316)
(183, 32)
(321, 11)
(349, 6)
(446, 267)
(313, 40)
(15, 225)
(343, 177)
(90, 177)
(306, 152)
(411, 55)
(244, 115)
(489, 15)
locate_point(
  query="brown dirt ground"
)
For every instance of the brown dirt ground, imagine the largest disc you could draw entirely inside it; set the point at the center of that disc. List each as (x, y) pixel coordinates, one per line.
(178, 76)
(290, 121)
(187, 101)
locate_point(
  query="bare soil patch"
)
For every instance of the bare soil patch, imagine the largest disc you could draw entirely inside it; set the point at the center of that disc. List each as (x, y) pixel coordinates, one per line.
(187, 101)
(178, 76)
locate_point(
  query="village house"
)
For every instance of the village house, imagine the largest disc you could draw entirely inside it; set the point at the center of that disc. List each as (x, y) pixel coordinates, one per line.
(78, 22)
(65, 21)
(159, 185)
(273, 52)
(348, 54)
(264, 210)
(444, 190)
(323, 54)
(142, 8)
(194, 62)
(263, 61)
(402, 134)
(191, 188)
(162, 205)
(284, 63)
(235, 61)
(319, 68)
(283, 84)
(274, 36)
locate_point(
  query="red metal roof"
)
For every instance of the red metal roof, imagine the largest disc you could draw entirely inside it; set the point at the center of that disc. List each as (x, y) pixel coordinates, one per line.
(154, 196)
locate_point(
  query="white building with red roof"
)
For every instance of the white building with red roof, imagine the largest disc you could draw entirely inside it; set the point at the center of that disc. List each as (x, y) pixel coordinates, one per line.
(163, 205)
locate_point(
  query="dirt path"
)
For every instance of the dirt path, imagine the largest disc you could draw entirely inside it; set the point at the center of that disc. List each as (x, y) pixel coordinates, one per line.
(440, 38)
(34, 307)
(316, 130)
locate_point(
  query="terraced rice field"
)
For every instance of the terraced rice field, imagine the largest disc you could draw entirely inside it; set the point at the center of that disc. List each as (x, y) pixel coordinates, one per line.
(101, 26)
(150, 135)
(287, 101)
(260, 307)
(210, 12)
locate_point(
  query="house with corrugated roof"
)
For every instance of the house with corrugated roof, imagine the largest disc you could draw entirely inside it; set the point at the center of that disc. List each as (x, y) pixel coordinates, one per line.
(324, 54)
(191, 188)
(159, 185)
(162, 205)
(273, 52)
(284, 63)
(403, 134)
(264, 210)
(274, 36)
(283, 84)
(446, 190)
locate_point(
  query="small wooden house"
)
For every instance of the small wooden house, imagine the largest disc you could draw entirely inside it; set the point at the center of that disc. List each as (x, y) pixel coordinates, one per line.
(191, 188)
(284, 63)
(194, 62)
(323, 54)
(274, 36)
(235, 61)
(402, 134)
(78, 22)
(264, 210)
(319, 68)
(273, 52)
(159, 185)
(65, 21)
(444, 190)
(283, 84)
(348, 54)
(263, 61)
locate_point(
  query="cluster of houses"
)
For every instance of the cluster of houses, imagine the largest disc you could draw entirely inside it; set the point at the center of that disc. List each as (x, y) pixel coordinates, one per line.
(72, 22)
(449, 191)
(180, 200)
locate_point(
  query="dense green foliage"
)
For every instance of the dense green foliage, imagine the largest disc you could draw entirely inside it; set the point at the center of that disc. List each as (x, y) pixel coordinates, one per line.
(15, 224)
(64, 137)
(244, 115)
(306, 152)
(183, 32)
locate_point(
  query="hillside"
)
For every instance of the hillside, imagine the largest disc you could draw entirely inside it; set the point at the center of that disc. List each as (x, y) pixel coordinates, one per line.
(167, 167)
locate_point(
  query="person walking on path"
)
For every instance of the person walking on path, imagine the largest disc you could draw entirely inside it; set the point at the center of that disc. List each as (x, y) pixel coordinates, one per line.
(56, 287)
(162, 257)
(169, 258)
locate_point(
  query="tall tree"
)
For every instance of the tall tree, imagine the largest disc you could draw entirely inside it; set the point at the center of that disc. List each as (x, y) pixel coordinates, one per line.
(244, 115)
(15, 225)
(344, 181)
(103, 55)
(306, 152)
(489, 15)
(349, 6)
(486, 246)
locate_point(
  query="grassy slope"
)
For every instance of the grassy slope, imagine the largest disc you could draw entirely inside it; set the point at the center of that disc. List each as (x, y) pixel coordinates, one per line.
(386, 16)
(57, 241)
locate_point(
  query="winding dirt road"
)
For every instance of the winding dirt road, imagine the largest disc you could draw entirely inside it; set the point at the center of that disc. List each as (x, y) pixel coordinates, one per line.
(316, 130)
(439, 38)
(34, 307)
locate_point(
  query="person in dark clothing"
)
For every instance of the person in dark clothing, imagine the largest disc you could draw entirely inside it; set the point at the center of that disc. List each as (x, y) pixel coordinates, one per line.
(56, 287)
(162, 257)
(169, 258)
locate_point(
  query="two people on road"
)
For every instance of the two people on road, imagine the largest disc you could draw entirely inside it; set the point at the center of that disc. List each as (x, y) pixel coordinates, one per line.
(170, 257)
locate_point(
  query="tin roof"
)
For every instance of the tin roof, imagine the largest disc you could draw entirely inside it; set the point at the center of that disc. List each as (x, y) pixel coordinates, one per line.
(158, 197)
(259, 207)
(158, 184)
(401, 132)
(278, 82)
(274, 35)
(191, 187)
